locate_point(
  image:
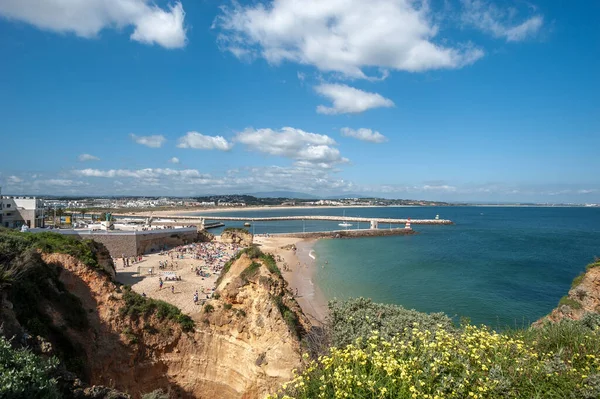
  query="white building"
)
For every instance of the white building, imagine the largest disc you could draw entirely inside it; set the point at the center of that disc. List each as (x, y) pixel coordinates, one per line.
(18, 211)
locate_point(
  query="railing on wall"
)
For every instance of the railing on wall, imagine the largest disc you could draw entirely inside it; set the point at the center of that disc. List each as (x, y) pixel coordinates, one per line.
(117, 232)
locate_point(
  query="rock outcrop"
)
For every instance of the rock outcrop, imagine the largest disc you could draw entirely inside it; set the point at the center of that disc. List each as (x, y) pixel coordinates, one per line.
(237, 236)
(241, 346)
(583, 297)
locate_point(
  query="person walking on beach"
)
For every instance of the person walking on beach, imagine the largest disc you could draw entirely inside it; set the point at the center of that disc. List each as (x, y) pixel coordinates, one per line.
(160, 283)
(172, 289)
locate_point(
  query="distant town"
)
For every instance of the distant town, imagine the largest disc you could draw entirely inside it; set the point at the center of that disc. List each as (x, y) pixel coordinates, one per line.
(32, 211)
(223, 201)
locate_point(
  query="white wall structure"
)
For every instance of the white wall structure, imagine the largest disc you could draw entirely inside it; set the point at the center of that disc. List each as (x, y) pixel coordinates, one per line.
(18, 211)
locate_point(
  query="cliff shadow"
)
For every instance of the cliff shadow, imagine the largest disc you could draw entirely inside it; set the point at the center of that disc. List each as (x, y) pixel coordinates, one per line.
(115, 350)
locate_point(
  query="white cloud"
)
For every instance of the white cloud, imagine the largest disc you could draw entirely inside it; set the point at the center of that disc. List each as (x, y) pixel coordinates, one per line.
(199, 141)
(61, 183)
(364, 134)
(86, 18)
(87, 157)
(301, 76)
(14, 179)
(304, 147)
(155, 141)
(440, 188)
(348, 99)
(345, 36)
(147, 173)
(499, 22)
(295, 178)
(174, 160)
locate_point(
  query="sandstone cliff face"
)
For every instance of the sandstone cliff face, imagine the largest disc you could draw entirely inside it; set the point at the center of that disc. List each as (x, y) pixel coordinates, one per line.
(242, 349)
(583, 297)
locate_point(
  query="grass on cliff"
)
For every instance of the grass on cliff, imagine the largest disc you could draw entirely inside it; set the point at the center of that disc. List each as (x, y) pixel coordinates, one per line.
(386, 351)
(572, 303)
(12, 241)
(577, 280)
(138, 306)
(289, 316)
(41, 303)
(250, 271)
(253, 252)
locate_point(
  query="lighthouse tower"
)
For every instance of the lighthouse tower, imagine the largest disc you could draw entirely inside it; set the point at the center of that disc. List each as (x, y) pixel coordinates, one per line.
(407, 226)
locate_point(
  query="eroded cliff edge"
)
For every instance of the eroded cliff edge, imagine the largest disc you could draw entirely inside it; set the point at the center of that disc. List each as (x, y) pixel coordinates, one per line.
(582, 298)
(243, 344)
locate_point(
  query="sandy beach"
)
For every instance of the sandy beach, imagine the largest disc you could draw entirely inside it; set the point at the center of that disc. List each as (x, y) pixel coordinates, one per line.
(143, 276)
(301, 274)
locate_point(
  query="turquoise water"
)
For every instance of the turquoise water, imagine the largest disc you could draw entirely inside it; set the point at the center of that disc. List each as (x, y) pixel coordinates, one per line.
(502, 266)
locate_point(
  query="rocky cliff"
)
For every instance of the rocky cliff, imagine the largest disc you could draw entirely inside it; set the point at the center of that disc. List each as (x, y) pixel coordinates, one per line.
(583, 297)
(237, 236)
(240, 347)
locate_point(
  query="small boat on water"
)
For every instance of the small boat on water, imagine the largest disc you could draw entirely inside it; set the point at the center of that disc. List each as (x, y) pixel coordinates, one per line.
(345, 224)
(247, 224)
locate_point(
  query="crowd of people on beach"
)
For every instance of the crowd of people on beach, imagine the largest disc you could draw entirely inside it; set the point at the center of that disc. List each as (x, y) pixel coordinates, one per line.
(129, 260)
(211, 257)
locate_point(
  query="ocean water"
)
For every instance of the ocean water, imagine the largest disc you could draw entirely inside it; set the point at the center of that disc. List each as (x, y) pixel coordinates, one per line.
(501, 266)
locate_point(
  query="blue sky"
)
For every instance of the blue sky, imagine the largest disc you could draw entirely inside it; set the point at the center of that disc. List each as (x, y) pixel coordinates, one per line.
(444, 100)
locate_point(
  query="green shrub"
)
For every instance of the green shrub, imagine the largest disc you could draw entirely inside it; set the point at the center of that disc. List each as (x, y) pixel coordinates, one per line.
(24, 375)
(290, 318)
(13, 243)
(216, 295)
(577, 280)
(226, 268)
(595, 263)
(253, 252)
(250, 271)
(131, 337)
(269, 261)
(356, 318)
(208, 308)
(591, 320)
(150, 329)
(556, 361)
(566, 301)
(138, 306)
(227, 306)
(38, 295)
(156, 394)
(186, 322)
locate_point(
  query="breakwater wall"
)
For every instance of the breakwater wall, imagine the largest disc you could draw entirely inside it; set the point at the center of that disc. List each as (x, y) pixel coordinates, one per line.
(132, 243)
(350, 233)
(196, 219)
